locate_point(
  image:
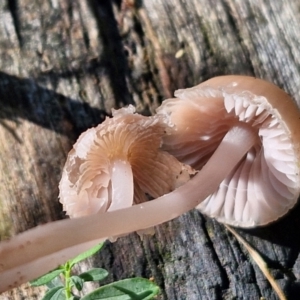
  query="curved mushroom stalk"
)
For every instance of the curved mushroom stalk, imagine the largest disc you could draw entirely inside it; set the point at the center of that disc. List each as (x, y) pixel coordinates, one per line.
(266, 183)
(30, 270)
(52, 244)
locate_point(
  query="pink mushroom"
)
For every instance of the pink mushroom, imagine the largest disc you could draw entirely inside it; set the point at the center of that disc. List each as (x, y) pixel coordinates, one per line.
(113, 166)
(38, 250)
(117, 163)
(266, 183)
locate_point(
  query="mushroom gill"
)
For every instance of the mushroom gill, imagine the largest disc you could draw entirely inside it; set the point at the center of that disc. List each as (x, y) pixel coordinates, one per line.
(266, 183)
(117, 161)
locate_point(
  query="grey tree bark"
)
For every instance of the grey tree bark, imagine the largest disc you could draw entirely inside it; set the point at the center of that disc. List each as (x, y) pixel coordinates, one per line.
(64, 64)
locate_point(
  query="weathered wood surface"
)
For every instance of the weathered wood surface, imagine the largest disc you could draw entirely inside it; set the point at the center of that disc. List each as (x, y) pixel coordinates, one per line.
(65, 63)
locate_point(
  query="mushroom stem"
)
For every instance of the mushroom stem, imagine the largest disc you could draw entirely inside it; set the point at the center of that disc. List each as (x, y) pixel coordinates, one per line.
(28, 271)
(121, 185)
(44, 241)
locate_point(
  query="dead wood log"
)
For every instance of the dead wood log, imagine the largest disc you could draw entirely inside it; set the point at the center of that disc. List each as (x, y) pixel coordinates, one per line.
(65, 64)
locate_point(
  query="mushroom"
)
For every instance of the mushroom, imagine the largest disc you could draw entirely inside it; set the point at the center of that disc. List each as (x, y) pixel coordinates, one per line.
(117, 163)
(112, 166)
(51, 244)
(265, 185)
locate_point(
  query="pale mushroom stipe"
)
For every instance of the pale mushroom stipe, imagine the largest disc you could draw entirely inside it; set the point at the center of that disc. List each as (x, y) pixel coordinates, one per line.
(223, 128)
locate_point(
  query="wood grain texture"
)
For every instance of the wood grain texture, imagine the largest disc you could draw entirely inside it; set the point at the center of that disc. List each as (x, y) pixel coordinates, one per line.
(64, 64)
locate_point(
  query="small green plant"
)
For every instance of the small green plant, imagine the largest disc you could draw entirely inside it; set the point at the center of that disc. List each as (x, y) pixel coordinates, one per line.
(61, 283)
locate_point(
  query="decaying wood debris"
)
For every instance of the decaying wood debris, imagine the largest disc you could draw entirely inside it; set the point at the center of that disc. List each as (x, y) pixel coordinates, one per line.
(65, 64)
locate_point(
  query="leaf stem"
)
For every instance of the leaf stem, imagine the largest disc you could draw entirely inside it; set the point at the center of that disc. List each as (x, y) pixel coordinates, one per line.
(67, 274)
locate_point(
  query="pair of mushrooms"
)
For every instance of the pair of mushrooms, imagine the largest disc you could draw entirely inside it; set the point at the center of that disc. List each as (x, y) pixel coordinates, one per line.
(229, 146)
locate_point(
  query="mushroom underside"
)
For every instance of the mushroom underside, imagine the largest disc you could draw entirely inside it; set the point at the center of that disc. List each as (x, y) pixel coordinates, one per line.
(265, 184)
(118, 163)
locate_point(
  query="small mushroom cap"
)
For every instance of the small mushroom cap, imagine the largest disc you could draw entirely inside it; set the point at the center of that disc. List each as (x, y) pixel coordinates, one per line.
(266, 183)
(130, 143)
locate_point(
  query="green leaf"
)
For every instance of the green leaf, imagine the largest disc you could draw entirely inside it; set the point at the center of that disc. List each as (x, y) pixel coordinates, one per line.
(55, 294)
(95, 274)
(46, 278)
(86, 254)
(74, 298)
(77, 282)
(54, 283)
(127, 289)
